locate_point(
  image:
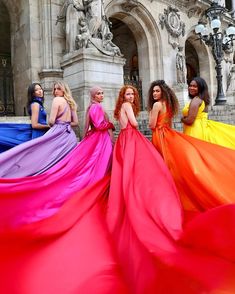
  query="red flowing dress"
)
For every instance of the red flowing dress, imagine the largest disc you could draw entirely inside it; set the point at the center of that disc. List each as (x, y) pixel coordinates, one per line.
(158, 249)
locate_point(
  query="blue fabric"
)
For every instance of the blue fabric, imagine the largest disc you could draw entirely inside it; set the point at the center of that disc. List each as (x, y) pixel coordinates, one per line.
(12, 134)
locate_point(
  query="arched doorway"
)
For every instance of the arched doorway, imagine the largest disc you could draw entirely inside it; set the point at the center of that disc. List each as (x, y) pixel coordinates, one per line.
(192, 62)
(6, 79)
(125, 40)
(144, 57)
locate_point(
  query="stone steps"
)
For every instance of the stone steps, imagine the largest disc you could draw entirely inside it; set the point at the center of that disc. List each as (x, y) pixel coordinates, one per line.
(222, 113)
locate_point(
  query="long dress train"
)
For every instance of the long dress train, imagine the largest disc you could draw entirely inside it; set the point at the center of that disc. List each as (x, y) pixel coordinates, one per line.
(147, 223)
(203, 172)
(209, 130)
(53, 239)
(67, 253)
(45, 193)
(12, 134)
(36, 156)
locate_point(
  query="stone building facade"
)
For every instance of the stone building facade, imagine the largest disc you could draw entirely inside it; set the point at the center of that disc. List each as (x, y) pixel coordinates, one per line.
(44, 40)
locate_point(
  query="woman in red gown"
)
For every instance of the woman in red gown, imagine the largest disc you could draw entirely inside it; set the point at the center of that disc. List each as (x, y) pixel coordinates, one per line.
(159, 251)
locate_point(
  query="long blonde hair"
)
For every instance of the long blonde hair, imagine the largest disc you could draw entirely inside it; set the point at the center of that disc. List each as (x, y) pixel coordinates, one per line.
(67, 93)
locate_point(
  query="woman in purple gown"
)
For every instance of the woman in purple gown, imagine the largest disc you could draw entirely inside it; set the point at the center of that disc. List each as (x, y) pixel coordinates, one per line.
(87, 163)
(36, 156)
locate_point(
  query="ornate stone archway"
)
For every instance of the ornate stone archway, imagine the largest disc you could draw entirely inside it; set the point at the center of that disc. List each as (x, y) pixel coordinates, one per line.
(147, 37)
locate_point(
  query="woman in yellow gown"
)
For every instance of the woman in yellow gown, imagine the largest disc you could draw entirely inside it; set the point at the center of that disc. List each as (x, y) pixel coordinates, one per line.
(195, 117)
(203, 172)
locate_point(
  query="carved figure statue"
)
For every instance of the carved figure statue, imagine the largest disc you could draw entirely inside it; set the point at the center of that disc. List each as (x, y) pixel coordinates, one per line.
(180, 66)
(94, 14)
(74, 12)
(108, 45)
(82, 39)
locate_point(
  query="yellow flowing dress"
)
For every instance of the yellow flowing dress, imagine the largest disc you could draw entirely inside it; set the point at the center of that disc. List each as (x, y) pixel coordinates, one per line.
(209, 130)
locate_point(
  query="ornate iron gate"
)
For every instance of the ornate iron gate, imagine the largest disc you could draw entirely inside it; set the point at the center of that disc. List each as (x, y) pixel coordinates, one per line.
(7, 106)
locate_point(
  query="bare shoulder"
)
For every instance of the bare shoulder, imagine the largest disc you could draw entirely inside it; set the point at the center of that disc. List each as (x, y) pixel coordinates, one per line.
(58, 101)
(157, 105)
(196, 101)
(127, 105)
(35, 106)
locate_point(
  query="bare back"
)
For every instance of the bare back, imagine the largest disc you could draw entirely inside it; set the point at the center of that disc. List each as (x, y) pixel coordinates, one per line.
(127, 115)
(61, 109)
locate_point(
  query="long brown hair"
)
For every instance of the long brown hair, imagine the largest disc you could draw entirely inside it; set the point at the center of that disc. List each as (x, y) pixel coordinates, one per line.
(121, 100)
(168, 96)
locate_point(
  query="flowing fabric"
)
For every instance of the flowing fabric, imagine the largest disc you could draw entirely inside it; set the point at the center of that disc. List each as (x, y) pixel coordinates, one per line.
(203, 172)
(146, 221)
(12, 134)
(209, 130)
(36, 156)
(53, 239)
(68, 253)
(28, 199)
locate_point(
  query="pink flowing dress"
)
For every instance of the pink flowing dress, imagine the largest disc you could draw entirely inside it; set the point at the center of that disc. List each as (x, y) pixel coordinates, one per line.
(54, 239)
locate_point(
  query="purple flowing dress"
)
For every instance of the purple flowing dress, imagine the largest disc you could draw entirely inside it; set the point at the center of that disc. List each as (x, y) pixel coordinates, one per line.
(36, 156)
(29, 199)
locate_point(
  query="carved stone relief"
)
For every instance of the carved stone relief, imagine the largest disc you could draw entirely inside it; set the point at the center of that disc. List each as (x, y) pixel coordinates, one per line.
(87, 26)
(130, 4)
(175, 27)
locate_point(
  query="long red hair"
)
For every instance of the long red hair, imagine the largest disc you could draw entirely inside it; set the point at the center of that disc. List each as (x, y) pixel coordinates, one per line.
(121, 100)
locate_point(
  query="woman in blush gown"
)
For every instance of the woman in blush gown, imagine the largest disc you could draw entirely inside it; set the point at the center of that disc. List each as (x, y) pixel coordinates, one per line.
(38, 155)
(12, 134)
(203, 172)
(195, 117)
(53, 235)
(159, 251)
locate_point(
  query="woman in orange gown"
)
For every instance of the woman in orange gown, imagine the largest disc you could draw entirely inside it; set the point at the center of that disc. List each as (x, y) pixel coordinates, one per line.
(158, 249)
(195, 117)
(203, 172)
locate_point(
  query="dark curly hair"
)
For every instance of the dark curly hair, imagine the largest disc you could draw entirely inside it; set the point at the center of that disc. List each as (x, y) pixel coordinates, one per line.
(168, 96)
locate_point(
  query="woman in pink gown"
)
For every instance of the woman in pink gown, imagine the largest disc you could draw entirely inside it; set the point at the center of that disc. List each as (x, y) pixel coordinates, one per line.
(53, 239)
(158, 251)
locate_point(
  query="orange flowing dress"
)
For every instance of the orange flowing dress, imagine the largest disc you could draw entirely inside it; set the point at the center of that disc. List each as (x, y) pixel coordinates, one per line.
(203, 172)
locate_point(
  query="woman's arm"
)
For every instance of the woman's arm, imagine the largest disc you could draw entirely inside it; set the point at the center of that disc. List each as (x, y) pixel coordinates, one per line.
(153, 115)
(130, 114)
(98, 118)
(54, 112)
(74, 118)
(35, 107)
(192, 113)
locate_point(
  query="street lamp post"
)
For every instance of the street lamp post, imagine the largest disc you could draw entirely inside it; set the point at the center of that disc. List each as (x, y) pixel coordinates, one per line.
(219, 41)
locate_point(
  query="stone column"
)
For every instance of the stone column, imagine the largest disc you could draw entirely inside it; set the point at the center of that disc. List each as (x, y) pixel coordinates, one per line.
(51, 70)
